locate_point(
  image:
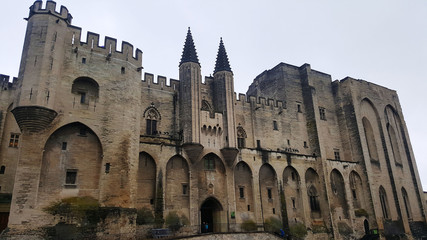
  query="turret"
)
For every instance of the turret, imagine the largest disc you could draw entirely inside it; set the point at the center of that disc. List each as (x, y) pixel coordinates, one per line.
(189, 93)
(224, 94)
(40, 68)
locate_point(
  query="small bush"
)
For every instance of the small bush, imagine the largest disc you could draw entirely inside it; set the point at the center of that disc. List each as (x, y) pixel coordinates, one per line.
(361, 212)
(298, 230)
(144, 216)
(174, 222)
(83, 210)
(319, 229)
(272, 224)
(249, 225)
(344, 229)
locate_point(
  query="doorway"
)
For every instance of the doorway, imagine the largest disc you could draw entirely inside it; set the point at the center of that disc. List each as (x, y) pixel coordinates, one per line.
(210, 216)
(366, 225)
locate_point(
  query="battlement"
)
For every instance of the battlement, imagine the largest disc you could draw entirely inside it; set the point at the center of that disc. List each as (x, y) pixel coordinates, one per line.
(36, 8)
(160, 83)
(5, 82)
(259, 102)
(110, 50)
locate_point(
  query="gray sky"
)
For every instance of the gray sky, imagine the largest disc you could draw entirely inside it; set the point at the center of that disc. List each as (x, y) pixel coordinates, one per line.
(382, 41)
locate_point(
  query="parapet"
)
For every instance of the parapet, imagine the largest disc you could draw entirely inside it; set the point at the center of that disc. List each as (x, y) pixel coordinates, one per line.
(259, 102)
(36, 8)
(5, 83)
(160, 83)
(109, 49)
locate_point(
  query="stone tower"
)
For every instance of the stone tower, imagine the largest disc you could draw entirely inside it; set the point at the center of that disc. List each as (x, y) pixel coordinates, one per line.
(189, 98)
(224, 93)
(40, 68)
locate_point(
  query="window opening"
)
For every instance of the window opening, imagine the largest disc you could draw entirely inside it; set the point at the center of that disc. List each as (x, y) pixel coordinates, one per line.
(2, 169)
(151, 127)
(322, 113)
(71, 177)
(337, 155)
(84, 60)
(14, 140)
(82, 97)
(275, 125)
(299, 108)
(64, 146)
(270, 196)
(107, 167)
(209, 163)
(241, 192)
(185, 189)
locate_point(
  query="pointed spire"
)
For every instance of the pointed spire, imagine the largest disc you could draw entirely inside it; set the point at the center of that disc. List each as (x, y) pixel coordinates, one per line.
(222, 63)
(189, 53)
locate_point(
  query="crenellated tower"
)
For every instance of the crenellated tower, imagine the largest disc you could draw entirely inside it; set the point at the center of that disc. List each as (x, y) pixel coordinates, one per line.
(189, 93)
(40, 68)
(224, 94)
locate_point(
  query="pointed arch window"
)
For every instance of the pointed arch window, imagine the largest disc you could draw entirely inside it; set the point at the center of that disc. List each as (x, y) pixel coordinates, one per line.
(241, 137)
(407, 204)
(152, 118)
(384, 203)
(314, 199)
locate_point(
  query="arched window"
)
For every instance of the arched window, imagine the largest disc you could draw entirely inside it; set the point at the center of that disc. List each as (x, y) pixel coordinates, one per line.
(207, 107)
(370, 139)
(241, 136)
(407, 204)
(152, 117)
(86, 88)
(394, 144)
(384, 203)
(314, 199)
(2, 169)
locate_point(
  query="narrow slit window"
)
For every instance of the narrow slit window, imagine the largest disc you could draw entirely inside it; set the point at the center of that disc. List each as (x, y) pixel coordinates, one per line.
(241, 192)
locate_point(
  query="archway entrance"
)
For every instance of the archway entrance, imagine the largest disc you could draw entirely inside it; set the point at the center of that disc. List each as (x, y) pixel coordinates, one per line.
(366, 225)
(210, 216)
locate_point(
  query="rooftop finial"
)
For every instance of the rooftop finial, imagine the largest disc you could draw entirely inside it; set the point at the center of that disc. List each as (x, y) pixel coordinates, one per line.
(189, 53)
(222, 63)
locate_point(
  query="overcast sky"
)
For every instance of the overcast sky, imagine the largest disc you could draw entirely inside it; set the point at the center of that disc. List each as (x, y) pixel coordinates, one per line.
(382, 41)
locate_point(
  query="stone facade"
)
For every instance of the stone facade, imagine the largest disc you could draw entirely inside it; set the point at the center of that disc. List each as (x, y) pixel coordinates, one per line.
(334, 156)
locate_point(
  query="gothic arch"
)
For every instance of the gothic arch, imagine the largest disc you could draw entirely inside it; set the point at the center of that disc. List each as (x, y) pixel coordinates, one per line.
(373, 133)
(211, 177)
(269, 191)
(86, 88)
(241, 137)
(338, 196)
(72, 159)
(384, 203)
(207, 107)
(357, 193)
(243, 189)
(146, 181)
(293, 197)
(152, 120)
(151, 112)
(394, 144)
(313, 191)
(407, 203)
(177, 189)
